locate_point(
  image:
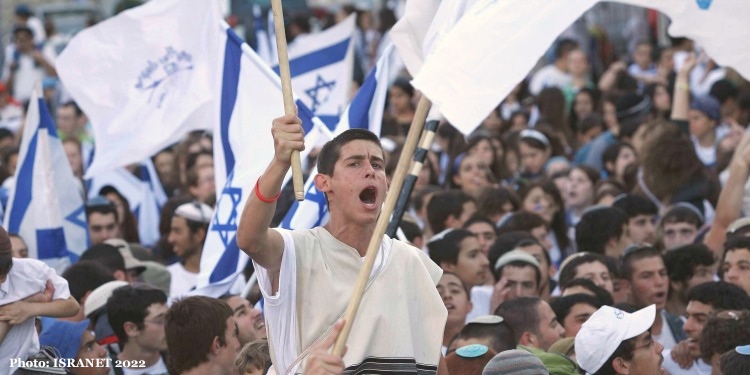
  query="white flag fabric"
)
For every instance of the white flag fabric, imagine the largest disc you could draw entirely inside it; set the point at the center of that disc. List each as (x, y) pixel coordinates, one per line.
(250, 99)
(364, 112)
(717, 26)
(496, 43)
(144, 78)
(45, 206)
(321, 68)
(144, 193)
(491, 48)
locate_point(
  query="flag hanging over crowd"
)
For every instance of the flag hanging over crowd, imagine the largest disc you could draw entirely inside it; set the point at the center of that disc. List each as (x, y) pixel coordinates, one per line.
(163, 89)
(364, 112)
(483, 76)
(45, 206)
(321, 68)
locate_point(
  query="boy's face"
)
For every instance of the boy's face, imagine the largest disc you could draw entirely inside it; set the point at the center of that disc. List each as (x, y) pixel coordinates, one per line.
(642, 229)
(471, 265)
(520, 280)
(649, 283)
(678, 234)
(737, 268)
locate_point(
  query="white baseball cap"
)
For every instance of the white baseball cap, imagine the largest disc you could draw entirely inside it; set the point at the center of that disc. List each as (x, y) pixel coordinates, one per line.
(600, 336)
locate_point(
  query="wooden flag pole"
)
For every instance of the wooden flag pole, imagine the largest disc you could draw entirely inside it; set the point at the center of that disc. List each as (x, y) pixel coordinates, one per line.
(397, 181)
(286, 89)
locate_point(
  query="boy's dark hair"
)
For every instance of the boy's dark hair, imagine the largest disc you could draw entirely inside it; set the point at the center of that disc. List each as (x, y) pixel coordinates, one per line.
(23, 29)
(521, 314)
(447, 248)
(635, 254)
(562, 305)
(569, 268)
(106, 255)
(724, 90)
(191, 326)
(410, 229)
(720, 295)
(130, 303)
(681, 262)
(101, 206)
(521, 221)
(634, 205)
(597, 227)
(682, 214)
(86, 275)
(491, 201)
(723, 332)
(476, 218)
(331, 151)
(734, 363)
(443, 205)
(499, 335)
(601, 294)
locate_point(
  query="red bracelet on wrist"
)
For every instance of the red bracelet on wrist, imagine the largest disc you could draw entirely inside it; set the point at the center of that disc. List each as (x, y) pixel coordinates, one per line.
(261, 197)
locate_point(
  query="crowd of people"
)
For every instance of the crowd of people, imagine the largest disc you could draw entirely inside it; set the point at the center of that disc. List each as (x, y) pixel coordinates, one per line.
(592, 223)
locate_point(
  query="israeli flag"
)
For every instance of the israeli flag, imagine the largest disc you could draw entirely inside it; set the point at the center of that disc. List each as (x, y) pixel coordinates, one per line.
(250, 99)
(321, 66)
(364, 112)
(144, 193)
(45, 207)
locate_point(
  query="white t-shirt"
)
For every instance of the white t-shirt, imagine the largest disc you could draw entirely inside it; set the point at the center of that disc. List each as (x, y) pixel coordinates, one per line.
(699, 367)
(707, 155)
(666, 337)
(280, 309)
(182, 280)
(26, 278)
(158, 368)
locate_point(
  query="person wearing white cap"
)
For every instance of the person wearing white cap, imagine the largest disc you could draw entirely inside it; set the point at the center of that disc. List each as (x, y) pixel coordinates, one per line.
(186, 235)
(614, 342)
(519, 275)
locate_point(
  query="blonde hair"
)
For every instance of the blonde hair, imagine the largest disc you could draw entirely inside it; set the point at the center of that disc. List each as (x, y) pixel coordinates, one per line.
(255, 354)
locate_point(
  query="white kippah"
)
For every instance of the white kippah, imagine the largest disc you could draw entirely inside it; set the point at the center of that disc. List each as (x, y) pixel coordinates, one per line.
(195, 211)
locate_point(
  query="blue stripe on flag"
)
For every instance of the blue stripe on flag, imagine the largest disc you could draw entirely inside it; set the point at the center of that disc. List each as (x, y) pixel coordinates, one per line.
(359, 109)
(229, 83)
(45, 119)
(317, 59)
(22, 198)
(330, 121)
(51, 243)
(227, 264)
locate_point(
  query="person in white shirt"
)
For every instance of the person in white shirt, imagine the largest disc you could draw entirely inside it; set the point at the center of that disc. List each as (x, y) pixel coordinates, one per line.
(28, 288)
(186, 235)
(136, 314)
